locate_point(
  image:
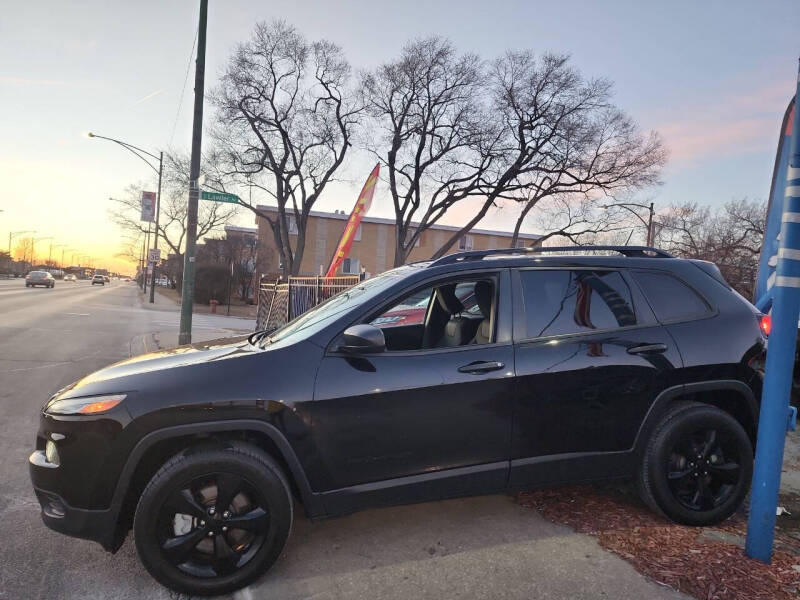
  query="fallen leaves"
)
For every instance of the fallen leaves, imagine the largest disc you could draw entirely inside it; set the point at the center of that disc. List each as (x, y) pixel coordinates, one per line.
(706, 567)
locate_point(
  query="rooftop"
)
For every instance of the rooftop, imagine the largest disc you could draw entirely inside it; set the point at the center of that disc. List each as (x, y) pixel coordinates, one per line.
(343, 216)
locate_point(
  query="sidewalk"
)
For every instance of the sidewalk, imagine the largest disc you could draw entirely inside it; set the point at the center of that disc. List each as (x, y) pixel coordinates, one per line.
(204, 326)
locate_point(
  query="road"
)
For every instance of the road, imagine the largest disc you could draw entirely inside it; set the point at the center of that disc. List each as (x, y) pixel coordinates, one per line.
(468, 548)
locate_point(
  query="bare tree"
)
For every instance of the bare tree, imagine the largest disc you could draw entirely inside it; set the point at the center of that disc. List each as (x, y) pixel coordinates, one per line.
(730, 236)
(432, 133)
(284, 121)
(173, 208)
(559, 136)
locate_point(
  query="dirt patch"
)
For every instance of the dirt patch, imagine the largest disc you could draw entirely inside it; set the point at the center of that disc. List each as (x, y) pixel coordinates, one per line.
(705, 563)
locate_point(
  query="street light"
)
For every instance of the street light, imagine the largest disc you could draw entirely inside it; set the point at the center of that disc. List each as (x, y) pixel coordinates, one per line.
(13, 234)
(648, 223)
(50, 256)
(160, 158)
(33, 246)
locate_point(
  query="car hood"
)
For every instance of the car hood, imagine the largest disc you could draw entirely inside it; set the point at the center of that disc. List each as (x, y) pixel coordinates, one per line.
(194, 354)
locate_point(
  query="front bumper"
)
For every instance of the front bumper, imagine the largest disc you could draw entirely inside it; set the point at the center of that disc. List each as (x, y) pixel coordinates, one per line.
(96, 525)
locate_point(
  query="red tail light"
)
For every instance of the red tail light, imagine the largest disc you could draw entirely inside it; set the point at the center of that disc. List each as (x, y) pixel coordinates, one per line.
(765, 322)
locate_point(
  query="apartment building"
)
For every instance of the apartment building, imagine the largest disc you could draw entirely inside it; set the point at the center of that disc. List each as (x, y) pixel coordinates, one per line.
(373, 248)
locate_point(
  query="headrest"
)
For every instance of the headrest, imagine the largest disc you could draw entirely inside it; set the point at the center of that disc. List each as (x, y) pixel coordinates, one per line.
(446, 297)
(483, 295)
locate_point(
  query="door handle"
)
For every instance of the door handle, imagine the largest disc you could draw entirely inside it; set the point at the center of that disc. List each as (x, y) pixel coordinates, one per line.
(648, 349)
(481, 366)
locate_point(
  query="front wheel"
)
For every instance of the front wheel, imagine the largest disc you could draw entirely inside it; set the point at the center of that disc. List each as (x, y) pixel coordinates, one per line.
(698, 464)
(212, 521)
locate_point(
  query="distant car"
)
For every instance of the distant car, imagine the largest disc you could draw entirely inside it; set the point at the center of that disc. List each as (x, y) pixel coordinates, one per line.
(106, 279)
(44, 278)
(70, 277)
(98, 279)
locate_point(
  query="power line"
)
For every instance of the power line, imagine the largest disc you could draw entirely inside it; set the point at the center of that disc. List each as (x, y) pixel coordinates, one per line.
(183, 90)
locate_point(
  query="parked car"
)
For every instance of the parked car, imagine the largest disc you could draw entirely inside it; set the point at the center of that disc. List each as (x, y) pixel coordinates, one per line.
(573, 368)
(42, 278)
(70, 277)
(99, 279)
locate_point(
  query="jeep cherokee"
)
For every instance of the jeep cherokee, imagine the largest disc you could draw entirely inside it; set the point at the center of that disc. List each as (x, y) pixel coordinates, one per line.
(576, 366)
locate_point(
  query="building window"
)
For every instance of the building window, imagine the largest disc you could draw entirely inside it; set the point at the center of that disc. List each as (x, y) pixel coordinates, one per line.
(351, 266)
(521, 243)
(466, 242)
(292, 225)
(357, 237)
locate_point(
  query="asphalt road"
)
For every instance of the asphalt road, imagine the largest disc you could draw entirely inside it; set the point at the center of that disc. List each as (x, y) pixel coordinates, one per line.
(470, 548)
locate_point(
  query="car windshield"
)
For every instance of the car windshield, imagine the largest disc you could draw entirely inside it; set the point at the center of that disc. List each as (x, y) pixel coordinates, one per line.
(321, 315)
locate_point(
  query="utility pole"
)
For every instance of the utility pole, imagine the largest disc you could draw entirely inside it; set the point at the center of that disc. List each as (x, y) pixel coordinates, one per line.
(187, 291)
(158, 210)
(650, 227)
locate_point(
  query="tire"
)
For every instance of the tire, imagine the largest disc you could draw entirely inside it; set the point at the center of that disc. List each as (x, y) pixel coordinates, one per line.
(208, 565)
(691, 476)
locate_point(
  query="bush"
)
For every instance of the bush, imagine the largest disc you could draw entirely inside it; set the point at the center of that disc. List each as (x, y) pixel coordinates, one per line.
(211, 281)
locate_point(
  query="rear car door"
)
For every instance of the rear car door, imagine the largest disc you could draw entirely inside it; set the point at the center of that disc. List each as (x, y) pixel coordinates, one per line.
(590, 358)
(424, 418)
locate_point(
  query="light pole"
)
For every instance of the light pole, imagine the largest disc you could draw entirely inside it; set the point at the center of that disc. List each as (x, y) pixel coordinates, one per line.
(160, 158)
(50, 257)
(13, 234)
(33, 246)
(63, 251)
(648, 223)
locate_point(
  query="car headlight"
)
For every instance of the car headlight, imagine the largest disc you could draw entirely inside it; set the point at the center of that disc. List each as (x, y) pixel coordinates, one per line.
(84, 406)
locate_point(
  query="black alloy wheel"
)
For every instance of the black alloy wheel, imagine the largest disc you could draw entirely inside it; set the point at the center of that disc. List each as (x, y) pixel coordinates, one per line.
(214, 519)
(697, 465)
(213, 525)
(704, 468)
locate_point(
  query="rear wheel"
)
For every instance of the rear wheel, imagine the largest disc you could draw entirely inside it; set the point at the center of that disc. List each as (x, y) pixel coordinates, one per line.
(214, 520)
(697, 466)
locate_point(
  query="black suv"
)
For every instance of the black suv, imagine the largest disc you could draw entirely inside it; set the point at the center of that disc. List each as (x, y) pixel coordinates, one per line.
(577, 367)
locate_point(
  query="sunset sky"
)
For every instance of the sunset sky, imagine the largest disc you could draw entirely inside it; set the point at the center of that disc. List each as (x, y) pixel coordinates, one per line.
(713, 78)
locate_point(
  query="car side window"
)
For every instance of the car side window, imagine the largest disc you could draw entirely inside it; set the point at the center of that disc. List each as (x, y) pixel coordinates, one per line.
(559, 302)
(444, 315)
(670, 298)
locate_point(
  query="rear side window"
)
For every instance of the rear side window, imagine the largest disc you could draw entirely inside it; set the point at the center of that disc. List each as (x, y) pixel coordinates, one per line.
(670, 298)
(563, 302)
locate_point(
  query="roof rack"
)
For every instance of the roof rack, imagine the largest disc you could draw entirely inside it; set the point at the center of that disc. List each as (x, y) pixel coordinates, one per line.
(629, 251)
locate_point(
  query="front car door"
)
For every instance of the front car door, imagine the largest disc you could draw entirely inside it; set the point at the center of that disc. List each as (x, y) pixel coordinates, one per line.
(423, 419)
(590, 358)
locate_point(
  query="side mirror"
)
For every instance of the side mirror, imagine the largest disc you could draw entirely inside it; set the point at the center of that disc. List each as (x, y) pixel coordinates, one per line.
(363, 339)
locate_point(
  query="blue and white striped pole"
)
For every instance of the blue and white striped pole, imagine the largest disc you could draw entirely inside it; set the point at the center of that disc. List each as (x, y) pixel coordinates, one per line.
(780, 365)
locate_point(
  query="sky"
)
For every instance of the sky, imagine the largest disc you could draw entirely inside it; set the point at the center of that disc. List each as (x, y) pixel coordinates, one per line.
(713, 78)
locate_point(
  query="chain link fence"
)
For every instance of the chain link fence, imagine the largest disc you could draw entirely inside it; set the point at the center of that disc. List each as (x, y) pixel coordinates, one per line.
(279, 302)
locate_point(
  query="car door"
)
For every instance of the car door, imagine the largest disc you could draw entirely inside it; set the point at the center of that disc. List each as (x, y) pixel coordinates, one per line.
(417, 423)
(590, 358)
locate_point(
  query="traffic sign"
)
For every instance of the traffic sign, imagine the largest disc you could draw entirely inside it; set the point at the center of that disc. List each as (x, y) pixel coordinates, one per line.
(154, 255)
(219, 197)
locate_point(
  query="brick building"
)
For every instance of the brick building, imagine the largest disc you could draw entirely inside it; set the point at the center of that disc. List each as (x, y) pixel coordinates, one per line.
(373, 248)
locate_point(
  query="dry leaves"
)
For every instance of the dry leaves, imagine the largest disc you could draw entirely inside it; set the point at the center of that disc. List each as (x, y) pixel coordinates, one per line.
(678, 556)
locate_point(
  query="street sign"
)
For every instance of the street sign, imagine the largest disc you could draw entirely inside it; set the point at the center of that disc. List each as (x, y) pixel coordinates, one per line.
(219, 197)
(148, 206)
(154, 255)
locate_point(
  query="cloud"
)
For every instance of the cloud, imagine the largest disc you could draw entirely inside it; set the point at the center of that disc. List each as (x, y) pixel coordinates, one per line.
(150, 95)
(732, 124)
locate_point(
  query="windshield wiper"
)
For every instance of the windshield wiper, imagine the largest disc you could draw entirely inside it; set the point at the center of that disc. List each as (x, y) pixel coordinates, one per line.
(256, 337)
